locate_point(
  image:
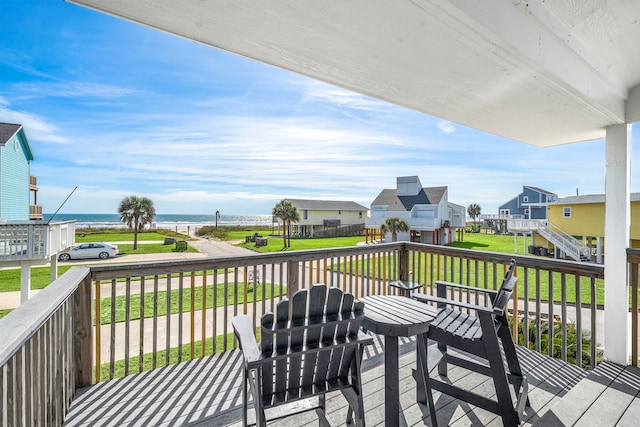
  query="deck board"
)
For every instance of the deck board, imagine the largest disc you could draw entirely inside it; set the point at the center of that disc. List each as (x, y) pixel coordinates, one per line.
(207, 392)
(608, 396)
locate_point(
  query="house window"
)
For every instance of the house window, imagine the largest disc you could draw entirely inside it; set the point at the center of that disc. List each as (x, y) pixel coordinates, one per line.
(526, 211)
(305, 214)
(525, 199)
(360, 214)
(504, 212)
(339, 212)
(566, 212)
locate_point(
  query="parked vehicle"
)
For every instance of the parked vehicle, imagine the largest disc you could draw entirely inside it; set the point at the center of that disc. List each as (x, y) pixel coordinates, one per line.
(89, 250)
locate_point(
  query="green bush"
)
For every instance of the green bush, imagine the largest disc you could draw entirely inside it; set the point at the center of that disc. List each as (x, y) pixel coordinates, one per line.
(556, 338)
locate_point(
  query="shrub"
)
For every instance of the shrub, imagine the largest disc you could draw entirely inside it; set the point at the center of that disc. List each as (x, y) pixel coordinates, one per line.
(556, 337)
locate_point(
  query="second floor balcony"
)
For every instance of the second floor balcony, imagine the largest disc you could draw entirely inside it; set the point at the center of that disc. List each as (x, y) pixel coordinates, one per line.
(35, 212)
(34, 240)
(425, 224)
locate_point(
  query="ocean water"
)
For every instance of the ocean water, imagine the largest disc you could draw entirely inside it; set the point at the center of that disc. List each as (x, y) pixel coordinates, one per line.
(169, 221)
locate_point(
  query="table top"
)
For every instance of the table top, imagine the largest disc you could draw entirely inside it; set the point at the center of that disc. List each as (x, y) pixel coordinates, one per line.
(405, 284)
(398, 316)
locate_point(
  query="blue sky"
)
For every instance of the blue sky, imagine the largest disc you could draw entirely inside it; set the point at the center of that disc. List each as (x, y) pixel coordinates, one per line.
(116, 109)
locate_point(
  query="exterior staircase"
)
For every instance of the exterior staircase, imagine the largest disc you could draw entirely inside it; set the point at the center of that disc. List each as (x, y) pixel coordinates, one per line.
(560, 239)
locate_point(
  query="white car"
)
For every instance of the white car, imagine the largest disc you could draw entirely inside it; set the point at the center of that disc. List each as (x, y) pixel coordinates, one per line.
(89, 250)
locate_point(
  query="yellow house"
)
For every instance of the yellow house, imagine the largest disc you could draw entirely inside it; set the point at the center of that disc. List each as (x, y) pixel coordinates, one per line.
(329, 217)
(583, 218)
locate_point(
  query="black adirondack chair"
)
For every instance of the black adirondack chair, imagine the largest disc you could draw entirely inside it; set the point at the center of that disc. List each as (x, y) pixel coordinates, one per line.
(313, 345)
(485, 335)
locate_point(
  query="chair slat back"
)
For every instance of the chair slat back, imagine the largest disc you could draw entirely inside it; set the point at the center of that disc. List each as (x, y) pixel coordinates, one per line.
(317, 296)
(309, 342)
(503, 296)
(332, 313)
(282, 345)
(267, 348)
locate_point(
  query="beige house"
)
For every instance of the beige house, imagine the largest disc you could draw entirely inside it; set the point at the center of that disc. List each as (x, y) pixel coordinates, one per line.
(320, 218)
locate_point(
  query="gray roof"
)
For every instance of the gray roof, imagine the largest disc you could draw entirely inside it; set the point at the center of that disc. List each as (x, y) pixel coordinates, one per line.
(426, 196)
(7, 130)
(589, 198)
(540, 190)
(326, 205)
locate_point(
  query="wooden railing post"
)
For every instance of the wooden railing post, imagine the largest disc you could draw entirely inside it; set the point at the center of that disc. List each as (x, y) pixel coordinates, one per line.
(403, 263)
(292, 278)
(83, 334)
(634, 278)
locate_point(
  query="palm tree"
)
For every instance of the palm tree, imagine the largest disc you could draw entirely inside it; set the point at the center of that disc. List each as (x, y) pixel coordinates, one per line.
(280, 212)
(136, 212)
(292, 215)
(394, 225)
(474, 212)
(287, 214)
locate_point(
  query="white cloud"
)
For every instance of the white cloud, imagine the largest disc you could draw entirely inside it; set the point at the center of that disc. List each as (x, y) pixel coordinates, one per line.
(323, 93)
(36, 127)
(446, 127)
(74, 89)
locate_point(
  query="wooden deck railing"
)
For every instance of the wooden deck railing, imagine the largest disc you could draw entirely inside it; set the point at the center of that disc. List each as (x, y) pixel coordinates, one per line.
(46, 352)
(633, 259)
(97, 323)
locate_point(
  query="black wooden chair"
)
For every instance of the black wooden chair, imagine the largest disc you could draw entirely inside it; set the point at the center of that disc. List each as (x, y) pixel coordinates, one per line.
(485, 335)
(313, 345)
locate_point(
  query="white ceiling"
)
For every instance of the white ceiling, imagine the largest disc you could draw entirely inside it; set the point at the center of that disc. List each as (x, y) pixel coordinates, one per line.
(542, 72)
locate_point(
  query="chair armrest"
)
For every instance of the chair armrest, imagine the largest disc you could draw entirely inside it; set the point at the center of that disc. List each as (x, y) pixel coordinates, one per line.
(243, 329)
(465, 287)
(444, 301)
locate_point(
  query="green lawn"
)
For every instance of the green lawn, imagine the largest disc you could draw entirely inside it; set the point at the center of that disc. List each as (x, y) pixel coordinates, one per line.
(276, 244)
(488, 242)
(241, 234)
(116, 235)
(149, 248)
(174, 301)
(40, 278)
(470, 277)
(237, 232)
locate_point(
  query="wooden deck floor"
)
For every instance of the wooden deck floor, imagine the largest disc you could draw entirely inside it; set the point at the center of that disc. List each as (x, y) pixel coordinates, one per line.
(207, 392)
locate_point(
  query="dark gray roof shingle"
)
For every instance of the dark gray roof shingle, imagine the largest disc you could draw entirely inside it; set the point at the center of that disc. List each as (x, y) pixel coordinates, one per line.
(540, 190)
(7, 130)
(426, 196)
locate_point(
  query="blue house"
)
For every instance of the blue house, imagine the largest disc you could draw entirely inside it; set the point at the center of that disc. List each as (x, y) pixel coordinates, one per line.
(26, 240)
(530, 204)
(15, 179)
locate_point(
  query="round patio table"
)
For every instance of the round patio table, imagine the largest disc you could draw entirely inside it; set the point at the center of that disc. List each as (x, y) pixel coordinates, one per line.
(398, 316)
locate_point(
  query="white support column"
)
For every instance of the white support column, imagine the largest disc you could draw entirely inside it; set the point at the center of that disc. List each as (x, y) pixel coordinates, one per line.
(54, 266)
(616, 232)
(598, 250)
(25, 281)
